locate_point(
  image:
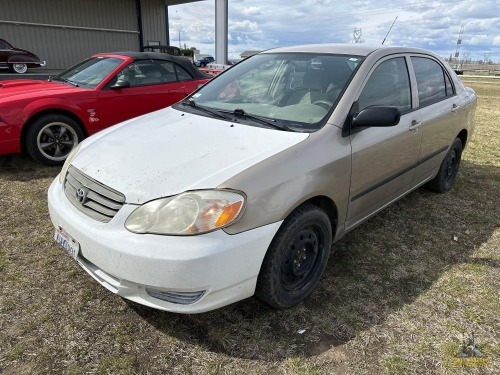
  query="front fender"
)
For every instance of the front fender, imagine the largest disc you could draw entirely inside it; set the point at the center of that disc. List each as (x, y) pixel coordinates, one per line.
(59, 105)
(316, 167)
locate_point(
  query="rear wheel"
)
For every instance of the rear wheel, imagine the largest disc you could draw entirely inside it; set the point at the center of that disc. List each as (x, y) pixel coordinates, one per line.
(52, 137)
(296, 257)
(19, 68)
(445, 179)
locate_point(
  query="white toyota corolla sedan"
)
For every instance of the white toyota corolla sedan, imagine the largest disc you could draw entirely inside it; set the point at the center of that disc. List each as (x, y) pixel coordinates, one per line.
(242, 188)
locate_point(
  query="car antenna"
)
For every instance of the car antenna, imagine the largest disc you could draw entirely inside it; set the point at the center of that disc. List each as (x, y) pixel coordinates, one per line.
(390, 29)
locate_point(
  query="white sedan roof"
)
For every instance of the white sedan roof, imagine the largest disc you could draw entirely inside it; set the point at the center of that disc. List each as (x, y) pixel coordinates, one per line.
(359, 49)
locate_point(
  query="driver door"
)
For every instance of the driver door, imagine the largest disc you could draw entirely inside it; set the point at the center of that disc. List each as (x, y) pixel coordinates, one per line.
(152, 86)
(383, 158)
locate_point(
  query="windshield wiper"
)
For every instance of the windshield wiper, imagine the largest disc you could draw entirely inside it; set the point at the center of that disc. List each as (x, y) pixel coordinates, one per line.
(190, 102)
(270, 123)
(57, 78)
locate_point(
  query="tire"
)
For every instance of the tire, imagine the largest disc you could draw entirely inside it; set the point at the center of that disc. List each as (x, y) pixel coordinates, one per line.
(448, 170)
(296, 257)
(52, 137)
(19, 68)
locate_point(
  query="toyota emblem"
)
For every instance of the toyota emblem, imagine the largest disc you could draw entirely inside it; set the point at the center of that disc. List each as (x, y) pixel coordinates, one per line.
(81, 195)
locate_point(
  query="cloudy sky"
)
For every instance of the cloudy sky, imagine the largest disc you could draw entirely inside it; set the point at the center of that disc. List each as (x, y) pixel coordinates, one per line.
(258, 24)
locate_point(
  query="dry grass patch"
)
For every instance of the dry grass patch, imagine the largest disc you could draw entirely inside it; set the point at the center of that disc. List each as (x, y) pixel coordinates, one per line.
(399, 296)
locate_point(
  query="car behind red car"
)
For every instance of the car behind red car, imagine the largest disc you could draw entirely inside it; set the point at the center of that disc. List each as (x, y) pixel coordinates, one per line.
(47, 119)
(16, 59)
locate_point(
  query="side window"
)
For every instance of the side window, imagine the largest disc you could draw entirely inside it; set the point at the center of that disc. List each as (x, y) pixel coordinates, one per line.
(170, 75)
(2, 46)
(147, 72)
(432, 81)
(173, 72)
(388, 85)
(182, 74)
(128, 75)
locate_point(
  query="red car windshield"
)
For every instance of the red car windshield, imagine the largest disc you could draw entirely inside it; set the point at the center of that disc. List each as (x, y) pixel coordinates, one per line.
(89, 73)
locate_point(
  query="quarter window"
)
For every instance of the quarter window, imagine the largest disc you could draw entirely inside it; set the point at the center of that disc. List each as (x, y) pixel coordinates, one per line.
(388, 85)
(432, 81)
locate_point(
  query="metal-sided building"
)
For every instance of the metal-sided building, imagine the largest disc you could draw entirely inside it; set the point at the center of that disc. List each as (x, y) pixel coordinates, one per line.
(63, 32)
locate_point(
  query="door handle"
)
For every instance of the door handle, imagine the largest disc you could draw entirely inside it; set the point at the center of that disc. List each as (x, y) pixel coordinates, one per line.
(415, 125)
(455, 108)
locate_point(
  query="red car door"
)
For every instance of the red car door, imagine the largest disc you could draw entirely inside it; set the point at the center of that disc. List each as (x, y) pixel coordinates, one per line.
(151, 85)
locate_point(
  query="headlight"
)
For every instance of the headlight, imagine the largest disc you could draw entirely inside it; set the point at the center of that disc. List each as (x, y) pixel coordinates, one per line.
(67, 163)
(193, 212)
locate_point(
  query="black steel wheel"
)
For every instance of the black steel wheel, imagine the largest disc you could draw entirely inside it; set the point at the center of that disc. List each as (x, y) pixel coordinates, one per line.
(52, 137)
(296, 257)
(445, 179)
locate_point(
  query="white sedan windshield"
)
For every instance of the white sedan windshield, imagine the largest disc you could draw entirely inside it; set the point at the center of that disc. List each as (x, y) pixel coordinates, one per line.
(298, 89)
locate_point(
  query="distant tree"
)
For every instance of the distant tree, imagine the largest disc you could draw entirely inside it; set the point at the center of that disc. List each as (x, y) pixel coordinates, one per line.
(187, 52)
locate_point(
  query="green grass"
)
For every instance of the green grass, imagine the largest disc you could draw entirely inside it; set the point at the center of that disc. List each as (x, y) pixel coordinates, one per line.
(399, 296)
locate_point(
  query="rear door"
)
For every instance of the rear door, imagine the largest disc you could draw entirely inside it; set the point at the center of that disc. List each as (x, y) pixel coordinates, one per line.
(384, 158)
(440, 111)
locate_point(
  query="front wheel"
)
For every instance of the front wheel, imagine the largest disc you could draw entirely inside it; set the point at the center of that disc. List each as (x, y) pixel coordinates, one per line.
(296, 258)
(52, 137)
(448, 170)
(19, 68)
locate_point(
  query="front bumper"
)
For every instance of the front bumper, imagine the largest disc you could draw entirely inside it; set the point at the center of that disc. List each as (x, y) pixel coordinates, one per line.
(225, 267)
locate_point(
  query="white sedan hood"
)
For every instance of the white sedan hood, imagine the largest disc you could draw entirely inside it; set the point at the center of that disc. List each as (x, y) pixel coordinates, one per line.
(168, 152)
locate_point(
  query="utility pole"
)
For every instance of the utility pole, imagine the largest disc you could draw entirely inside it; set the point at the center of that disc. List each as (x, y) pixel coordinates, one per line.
(459, 44)
(356, 36)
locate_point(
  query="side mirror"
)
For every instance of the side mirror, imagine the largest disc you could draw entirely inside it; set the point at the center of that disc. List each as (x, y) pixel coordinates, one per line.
(120, 85)
(377, 117)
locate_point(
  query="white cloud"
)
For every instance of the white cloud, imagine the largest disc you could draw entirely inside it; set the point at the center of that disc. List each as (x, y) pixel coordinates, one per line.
(262, 24)
(251, 11)
(245, 26)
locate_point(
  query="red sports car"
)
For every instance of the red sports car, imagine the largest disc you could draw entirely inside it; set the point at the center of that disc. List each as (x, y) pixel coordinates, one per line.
(47, 119)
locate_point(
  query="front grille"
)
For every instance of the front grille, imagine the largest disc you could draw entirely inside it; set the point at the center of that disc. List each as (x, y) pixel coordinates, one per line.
(99, 201)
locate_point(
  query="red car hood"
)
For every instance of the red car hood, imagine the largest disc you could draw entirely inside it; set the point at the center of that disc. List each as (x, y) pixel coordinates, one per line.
(18, 87)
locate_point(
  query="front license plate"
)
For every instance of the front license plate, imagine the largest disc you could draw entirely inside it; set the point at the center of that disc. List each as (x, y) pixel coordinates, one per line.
(67, 242)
